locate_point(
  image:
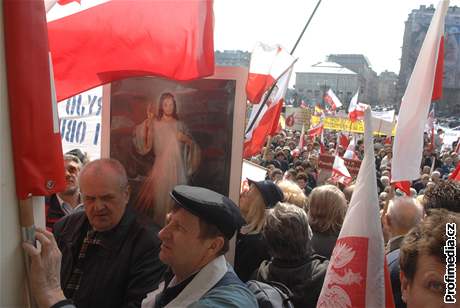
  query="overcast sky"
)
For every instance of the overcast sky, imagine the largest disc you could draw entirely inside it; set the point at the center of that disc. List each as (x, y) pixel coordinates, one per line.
(374, 28)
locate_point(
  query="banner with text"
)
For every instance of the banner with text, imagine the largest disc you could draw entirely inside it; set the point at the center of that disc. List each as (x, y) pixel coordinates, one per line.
(345, 125)
(80, 122)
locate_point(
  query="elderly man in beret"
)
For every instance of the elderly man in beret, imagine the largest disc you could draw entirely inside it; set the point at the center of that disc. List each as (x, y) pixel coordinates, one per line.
(194, 242)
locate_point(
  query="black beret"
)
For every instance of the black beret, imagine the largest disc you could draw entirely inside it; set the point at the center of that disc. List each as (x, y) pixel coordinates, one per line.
(212, 207)
(270, 192)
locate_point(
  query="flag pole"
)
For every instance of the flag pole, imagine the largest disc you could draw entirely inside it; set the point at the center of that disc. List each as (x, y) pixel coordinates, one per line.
(292, 52)
(266, 98)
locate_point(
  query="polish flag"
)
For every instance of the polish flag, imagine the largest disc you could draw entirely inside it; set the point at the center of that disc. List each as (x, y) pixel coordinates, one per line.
(268, 64)
(415, 105)
(316, 130)
(357, 275)
(339, 167)
(98, 41)
(356, 109)
(332, 100)
(38, 161)
(265, 123)
(350, 152)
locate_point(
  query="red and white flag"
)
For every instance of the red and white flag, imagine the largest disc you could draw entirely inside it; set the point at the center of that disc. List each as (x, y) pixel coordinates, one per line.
(339, 167)
(38, 161)
(266, 123)
(106, 40)
(357, 274)
(316, 130)
(268, 64)
(350, 152)
(332, 100)
(420, 91)
(355, 109)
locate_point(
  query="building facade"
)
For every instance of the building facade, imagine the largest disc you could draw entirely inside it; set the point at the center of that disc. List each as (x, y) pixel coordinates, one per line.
(311, 82)
(416, 27)
(387, 94)
(368, 81)
(232, 58)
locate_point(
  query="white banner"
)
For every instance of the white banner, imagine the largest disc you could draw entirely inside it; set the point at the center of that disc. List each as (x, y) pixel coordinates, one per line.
(80, 122)
(251, 171)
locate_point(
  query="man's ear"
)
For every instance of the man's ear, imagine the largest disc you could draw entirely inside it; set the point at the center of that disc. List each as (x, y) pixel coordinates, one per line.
(405, 286)
(217, 244)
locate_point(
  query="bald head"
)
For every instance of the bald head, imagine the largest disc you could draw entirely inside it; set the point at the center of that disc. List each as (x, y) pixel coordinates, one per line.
(403, 214)
(106, 167)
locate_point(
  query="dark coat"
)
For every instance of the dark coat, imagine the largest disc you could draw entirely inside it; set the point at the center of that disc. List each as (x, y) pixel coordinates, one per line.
(53, 211)
(250, 251)
(304, 278)
(117, 273)
(323, 243)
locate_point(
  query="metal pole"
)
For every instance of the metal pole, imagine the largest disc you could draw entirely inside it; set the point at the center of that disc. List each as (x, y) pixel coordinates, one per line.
(274, 84)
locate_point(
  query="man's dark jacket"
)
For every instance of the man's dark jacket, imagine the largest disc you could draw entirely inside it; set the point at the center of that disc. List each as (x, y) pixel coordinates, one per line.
(117, 273)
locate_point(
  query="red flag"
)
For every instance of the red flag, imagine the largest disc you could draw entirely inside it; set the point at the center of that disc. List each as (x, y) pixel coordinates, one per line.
(404, 186)
(343, 141)
(356, 275)
(267, 122)
(267, 65)
(455, 176)
(38, 162)
(437, 87)
(119, 39)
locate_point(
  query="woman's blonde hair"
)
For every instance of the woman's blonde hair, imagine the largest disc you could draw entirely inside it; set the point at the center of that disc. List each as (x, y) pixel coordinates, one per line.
(293, 193)
(255, 216)
(327, 207)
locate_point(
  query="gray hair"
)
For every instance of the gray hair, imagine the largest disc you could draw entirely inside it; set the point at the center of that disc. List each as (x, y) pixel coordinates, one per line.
(70, 157)
(404, 213)
(100, 166)
(287, 232)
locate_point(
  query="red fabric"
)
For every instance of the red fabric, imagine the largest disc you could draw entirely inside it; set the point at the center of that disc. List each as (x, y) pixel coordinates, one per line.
(257, 85)
(267, 126)
(455, 176)
(316, 130)
(64, 2)
(437, 87)
(119, 39)
(403, 186)
(38, 162)
(389, 299)
(343, 141)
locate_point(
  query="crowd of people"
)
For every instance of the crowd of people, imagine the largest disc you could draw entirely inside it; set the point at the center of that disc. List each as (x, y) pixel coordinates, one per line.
(99, 252)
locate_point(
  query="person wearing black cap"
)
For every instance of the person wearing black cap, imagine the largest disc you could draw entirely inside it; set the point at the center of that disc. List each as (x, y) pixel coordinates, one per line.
(194, 241)
(251, 248)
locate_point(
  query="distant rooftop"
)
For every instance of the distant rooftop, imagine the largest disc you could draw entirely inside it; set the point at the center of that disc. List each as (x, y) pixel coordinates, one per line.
(325, 68)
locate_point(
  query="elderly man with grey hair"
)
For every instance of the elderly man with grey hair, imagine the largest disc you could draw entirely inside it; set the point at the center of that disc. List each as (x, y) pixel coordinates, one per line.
(293, 263)
(403, 214)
